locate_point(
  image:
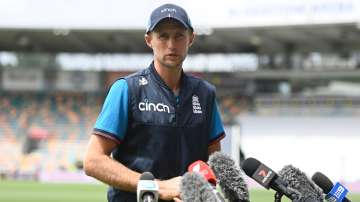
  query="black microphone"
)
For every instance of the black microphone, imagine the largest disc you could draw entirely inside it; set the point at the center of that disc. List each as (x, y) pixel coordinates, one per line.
(326, 185)
(268, 178)
(297, 180)
(194, 188)
(147, 188)
(230, 177)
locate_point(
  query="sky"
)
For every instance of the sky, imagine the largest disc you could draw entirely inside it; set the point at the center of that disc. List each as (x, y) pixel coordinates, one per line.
(119, 14)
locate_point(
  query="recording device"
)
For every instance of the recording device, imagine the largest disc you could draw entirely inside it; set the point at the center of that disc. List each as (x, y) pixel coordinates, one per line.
(204, 170)
(195, 188)
(297, 180)
(229, 177)
(269, 179)
(335, 193)
(147, 188)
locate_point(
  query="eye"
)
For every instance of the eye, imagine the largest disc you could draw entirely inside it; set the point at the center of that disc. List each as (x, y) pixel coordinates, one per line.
(163, 36)
(179, 36)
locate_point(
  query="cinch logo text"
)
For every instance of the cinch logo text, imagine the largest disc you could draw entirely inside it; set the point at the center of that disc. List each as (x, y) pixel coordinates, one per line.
(158, 107)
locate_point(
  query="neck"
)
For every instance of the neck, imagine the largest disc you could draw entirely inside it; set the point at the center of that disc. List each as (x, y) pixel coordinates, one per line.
(171, 76)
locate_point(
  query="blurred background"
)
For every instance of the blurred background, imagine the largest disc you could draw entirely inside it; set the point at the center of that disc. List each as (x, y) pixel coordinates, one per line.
(287, 75)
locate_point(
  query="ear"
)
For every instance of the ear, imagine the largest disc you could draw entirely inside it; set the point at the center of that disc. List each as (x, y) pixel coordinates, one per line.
(192, 38)
(148, 38)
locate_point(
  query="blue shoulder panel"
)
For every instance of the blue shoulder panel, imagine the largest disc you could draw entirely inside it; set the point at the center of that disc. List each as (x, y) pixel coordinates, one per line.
(113, 118)
(217, 128)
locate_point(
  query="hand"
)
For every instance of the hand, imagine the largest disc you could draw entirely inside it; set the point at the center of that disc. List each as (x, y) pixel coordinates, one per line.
(177, 200)
(170, 189)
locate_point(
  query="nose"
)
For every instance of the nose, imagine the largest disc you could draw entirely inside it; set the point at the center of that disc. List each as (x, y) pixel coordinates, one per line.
(171, 43)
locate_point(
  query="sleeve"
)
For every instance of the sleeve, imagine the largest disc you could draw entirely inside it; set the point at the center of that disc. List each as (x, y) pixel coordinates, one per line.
(217, 131)
(113, 118)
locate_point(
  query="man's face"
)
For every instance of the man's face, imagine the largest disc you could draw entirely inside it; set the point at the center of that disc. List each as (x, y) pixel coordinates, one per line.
(170, 42)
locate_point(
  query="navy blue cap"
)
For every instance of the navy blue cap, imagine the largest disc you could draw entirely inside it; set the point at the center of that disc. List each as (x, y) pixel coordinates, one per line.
(168, 11)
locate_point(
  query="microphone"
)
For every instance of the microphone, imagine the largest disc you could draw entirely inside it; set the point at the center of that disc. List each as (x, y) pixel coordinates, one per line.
(335, 193)
(297, 180)
(195, 188)
(147, 188)
(230, 177)
(204, 170)
(268, 178)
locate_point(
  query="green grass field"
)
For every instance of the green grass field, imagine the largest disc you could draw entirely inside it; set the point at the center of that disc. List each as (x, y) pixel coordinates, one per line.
(11, 191)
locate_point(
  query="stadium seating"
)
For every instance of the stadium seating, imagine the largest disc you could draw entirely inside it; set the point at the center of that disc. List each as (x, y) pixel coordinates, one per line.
(65, 120)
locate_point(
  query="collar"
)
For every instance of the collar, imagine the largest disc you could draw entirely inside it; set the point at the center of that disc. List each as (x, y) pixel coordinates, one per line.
(187, 85)
(158, 79)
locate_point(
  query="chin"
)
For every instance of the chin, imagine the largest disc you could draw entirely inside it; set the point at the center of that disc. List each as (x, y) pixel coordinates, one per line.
(172, 64)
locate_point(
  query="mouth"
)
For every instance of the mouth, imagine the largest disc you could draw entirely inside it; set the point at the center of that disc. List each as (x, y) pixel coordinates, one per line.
(172, 55)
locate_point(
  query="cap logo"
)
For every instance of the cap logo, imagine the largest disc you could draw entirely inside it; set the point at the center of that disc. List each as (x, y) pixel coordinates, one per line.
(168, 10)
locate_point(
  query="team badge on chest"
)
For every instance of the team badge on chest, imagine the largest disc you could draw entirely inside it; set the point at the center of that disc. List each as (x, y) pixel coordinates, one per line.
(196, 105)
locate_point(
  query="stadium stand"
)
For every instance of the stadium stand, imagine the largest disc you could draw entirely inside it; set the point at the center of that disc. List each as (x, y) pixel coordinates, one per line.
(278, 62)
(55, 125)
(48, 131)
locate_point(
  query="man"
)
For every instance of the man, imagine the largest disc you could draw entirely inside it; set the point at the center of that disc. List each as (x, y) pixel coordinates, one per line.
(158, 119)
